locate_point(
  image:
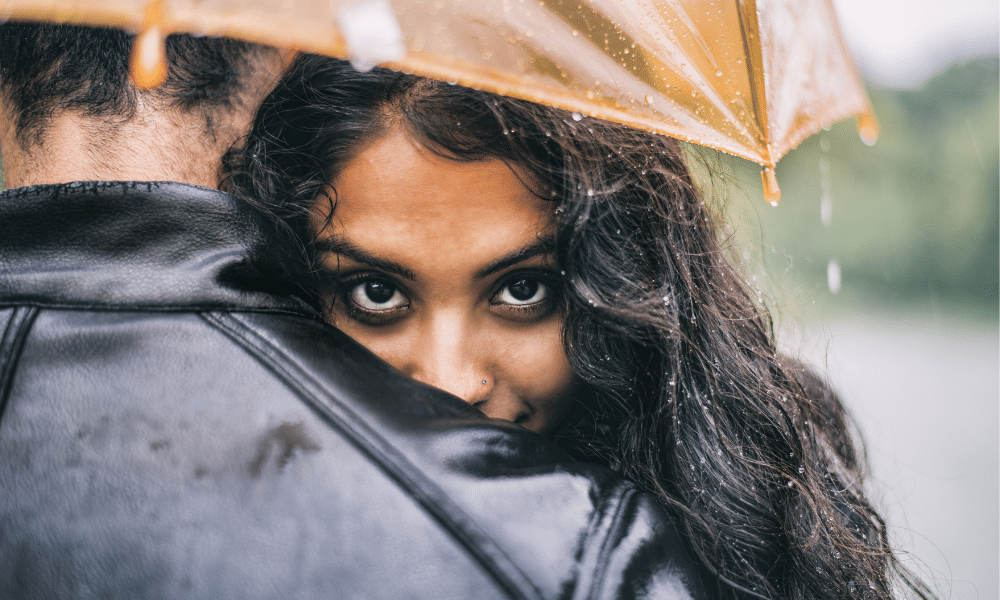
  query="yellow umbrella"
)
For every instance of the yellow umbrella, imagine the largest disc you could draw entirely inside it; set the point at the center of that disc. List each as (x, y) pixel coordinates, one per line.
(749, 77)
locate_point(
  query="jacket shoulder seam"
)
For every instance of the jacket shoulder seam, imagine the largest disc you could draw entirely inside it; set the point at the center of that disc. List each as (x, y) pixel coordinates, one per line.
(11, 345)
(611, 536)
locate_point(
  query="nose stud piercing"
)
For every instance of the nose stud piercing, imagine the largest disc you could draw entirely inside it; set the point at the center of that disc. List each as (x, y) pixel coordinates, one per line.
(484, 382)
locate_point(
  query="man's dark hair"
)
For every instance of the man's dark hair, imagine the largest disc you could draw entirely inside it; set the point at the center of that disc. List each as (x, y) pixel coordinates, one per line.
(46, 69)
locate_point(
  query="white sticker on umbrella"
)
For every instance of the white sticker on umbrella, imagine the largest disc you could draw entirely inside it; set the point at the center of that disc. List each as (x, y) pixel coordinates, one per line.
(372, 33)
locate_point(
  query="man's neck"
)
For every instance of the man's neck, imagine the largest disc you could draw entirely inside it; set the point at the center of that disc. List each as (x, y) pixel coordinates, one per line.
(159, 143)
(153, 146)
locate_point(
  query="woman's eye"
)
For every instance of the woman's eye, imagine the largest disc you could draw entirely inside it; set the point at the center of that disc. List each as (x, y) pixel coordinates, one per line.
(523, 291)
(376, 295)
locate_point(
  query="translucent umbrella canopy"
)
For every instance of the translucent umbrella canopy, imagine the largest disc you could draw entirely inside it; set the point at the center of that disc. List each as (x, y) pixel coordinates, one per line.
(749, 77)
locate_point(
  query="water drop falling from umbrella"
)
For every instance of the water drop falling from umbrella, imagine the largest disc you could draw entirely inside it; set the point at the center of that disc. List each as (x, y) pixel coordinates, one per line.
(825, 192)
(833, 276)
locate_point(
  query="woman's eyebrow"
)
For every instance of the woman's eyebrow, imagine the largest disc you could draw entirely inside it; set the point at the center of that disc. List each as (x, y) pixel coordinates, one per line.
(348, 250)
(542, 246)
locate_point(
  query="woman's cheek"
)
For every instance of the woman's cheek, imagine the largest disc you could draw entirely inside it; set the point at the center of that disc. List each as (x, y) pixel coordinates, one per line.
(542, 375)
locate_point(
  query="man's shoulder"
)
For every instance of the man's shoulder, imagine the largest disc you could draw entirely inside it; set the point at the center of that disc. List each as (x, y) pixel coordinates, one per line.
(533, 519)
(242, 451)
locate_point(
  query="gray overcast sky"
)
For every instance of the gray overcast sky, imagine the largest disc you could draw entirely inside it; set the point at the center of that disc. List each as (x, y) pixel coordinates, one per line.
(900, 43)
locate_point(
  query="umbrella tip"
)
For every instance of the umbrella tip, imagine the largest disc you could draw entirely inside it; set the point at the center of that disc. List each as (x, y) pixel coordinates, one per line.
(772, 193)
(149, 59)
(148, 64)
(868, 128)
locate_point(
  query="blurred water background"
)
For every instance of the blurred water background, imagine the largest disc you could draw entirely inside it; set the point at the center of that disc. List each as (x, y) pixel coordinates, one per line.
(881, 264)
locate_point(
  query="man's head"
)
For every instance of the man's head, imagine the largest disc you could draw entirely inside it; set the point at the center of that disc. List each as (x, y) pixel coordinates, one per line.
(69, 111)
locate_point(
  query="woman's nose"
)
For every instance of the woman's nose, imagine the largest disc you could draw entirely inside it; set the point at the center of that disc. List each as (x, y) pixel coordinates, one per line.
(449, 359)
(455, 374)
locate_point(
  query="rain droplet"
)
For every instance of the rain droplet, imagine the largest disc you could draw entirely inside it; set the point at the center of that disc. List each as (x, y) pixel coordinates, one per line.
(577, 116)
(833, 276)
(718, 73)
(802, 470)
(649, 98)
(590, 191)
(826, 192)
(575, 33)
(791, 483)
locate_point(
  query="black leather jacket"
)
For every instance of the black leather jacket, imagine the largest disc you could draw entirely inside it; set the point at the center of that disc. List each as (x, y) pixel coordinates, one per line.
(175, 423)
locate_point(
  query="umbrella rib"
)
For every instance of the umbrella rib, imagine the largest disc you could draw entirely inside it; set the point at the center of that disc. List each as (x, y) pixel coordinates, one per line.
(750, 32)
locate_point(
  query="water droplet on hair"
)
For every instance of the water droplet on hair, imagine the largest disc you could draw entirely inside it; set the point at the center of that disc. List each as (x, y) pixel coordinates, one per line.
(649, 99)
(791, 483)
(802, 470)
(590, 191)
(577, 116)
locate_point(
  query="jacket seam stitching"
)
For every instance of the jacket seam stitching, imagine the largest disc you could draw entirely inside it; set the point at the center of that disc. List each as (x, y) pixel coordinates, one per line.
(383, 454)
(11, 345)
(611, 538)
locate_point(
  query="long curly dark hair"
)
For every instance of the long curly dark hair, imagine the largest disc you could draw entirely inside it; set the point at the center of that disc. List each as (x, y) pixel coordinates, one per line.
(688, 395)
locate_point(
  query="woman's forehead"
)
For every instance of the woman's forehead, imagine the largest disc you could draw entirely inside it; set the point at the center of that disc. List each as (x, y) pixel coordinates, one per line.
(395, 178)
(398, 198)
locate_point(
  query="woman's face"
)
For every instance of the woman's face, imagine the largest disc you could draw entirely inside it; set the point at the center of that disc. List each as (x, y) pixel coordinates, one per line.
(444, 269)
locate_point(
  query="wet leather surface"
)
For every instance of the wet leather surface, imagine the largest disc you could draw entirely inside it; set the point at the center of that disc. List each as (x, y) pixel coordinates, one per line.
(176, 423)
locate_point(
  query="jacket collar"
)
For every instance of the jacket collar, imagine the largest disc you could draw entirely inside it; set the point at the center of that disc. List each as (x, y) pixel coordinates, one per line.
(148, 245)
